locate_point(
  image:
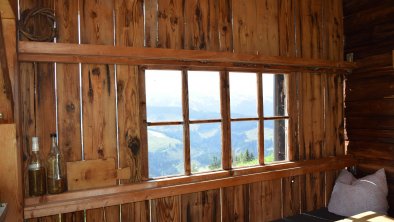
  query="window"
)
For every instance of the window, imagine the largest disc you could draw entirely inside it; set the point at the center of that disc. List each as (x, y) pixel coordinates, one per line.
(184, 120)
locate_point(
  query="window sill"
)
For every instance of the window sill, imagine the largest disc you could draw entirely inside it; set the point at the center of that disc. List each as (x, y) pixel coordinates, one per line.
(152, 189)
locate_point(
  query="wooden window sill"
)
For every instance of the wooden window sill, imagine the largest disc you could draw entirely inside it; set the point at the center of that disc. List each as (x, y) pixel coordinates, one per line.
(152, 189)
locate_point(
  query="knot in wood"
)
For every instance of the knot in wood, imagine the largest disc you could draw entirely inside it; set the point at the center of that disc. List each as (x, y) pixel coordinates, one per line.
(133, 143)
(174, 20)
(96, 71)
(70, 107)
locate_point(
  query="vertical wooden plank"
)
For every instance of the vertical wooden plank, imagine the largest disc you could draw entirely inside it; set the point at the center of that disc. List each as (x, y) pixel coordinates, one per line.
(6, 103)
(201, 207)
(68, 91)
(267, 28)
(334, 103)
(245, 26)
(267, 204)
(7, 61)
(201, 25)
(288, 47)
(166, 209)
(170, 24)
(291, 196)
(98, 94)
(313, 102)
(10, 176)
(151, 23)
(129, 32)
(225, 25)
(235, 204)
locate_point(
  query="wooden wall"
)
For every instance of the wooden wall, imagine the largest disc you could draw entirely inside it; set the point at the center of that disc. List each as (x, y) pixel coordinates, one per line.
(305, 29)
(369, 34)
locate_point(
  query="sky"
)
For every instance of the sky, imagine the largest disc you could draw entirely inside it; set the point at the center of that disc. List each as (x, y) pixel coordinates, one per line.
(164, 88)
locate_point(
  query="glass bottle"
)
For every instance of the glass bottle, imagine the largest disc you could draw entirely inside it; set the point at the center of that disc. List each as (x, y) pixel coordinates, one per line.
(56, 175)
(36, 170)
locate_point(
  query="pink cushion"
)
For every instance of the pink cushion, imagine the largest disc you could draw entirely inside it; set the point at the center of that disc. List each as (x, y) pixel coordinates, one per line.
(351, 196)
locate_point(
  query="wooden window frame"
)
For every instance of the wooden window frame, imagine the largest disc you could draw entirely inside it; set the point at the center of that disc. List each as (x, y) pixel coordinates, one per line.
(225, 119)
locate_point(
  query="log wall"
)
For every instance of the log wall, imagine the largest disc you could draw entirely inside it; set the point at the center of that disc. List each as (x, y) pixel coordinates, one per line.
(370, 88)
(303, 29)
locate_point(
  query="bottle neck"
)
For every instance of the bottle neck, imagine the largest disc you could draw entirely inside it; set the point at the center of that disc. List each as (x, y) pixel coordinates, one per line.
(54, 148)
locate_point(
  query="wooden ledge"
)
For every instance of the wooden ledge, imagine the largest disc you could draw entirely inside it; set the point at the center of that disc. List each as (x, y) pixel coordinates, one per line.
(96, 198)
(106, 54)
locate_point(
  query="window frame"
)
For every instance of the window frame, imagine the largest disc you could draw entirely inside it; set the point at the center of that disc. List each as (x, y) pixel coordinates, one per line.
(225, 121)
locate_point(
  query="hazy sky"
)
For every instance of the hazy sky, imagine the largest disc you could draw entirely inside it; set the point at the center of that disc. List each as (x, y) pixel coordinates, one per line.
(164, 87)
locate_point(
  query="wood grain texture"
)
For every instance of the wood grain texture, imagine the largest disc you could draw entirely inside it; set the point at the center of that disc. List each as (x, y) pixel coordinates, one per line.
(235, 204)
(289, 45)
(312, 105)
(225, 25)
(334, 115)
(201, 25)
(265, 200)
(98, 93)
(11, 185)
(170, 24)
(201, 207)
(291, 196)
(244, 26)
(69, 202)
(129, 32)
(151, 23)
(7, 43)
(166, 209)
(68, 90)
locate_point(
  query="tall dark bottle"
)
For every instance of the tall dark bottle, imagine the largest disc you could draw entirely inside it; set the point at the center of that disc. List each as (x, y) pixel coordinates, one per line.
(36, 170)
(56, 174)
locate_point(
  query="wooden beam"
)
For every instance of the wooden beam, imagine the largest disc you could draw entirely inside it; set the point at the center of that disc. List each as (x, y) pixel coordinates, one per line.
(10, 173)
(95, 198)
(8, 9)
(393, 59)
(75, 53)
(7, 57)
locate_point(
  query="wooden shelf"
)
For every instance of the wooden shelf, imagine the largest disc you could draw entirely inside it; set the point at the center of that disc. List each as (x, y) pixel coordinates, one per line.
(96, 198)
(106, 54)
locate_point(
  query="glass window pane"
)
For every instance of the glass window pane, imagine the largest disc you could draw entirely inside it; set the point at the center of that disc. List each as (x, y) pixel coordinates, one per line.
(165, 150)
(275, 140)
(204, 95)
(274, 95)
(243, 95)
(163, 95)
(205, 147)
(244, 143)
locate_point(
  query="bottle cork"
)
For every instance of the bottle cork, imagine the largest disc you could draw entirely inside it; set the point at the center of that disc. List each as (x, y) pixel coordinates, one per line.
(35, 146)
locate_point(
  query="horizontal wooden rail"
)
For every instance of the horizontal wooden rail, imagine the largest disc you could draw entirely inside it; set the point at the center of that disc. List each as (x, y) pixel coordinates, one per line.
(96, 198)
(106, 54)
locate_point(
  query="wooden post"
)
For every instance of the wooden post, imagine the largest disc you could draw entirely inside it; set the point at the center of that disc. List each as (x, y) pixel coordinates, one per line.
(11, 188)
(6, 96)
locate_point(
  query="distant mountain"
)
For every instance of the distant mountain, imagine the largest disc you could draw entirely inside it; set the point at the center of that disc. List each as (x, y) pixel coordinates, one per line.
(166, 142)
